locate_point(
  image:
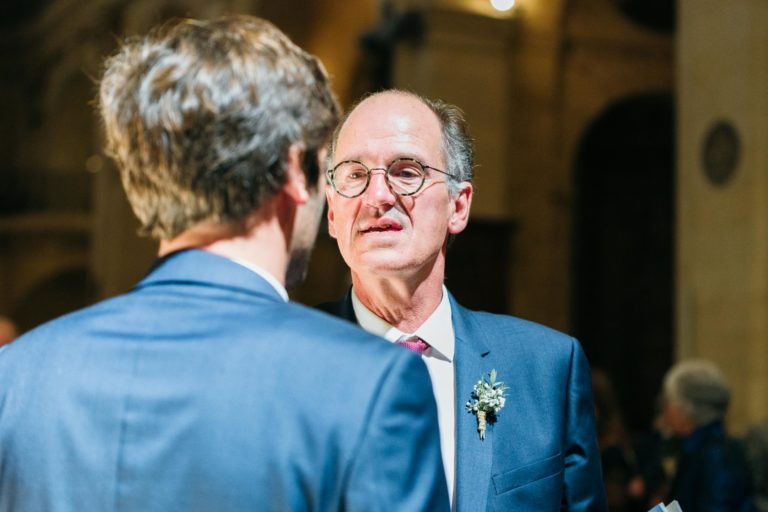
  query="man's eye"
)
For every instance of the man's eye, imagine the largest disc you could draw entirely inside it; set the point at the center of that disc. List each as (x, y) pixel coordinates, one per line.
(405, 173)
(356, 175)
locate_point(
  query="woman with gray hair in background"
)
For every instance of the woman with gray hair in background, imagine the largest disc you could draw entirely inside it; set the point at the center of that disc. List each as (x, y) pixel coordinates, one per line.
(712, 473)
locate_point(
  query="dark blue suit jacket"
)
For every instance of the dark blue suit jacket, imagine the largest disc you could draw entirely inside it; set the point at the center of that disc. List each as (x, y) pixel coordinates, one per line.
(202, 390)
(712, 473)
(541, 455)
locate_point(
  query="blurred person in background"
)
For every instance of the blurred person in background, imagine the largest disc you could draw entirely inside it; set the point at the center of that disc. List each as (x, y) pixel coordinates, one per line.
(624, 485)
(711, 473)
(8, 330)
(756, 441)
(657, 452)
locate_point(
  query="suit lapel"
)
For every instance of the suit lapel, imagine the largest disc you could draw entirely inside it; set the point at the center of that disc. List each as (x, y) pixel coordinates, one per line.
(473, 456)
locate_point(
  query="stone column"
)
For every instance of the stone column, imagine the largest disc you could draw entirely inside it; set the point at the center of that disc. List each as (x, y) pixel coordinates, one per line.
(722, 251)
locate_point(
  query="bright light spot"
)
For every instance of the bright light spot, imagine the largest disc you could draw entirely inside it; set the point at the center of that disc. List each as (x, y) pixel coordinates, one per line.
(503, 5)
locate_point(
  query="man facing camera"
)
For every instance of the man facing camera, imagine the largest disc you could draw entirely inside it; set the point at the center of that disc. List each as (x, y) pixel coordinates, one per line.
(399, 188)
(204, 388)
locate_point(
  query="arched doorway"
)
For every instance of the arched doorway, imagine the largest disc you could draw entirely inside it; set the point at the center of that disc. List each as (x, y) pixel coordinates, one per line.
(623, 248)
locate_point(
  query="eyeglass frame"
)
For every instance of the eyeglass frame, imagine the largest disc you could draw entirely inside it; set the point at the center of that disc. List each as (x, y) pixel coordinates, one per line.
(369, 173)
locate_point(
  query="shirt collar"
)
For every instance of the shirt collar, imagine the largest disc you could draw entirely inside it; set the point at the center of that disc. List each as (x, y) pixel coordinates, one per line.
(279, 288)
(437, 330)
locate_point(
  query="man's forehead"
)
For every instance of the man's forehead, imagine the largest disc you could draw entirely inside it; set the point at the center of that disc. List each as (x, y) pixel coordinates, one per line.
(397, 118)
(392, 102)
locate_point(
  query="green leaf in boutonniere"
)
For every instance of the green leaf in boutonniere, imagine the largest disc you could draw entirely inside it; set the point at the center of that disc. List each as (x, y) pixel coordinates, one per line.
(489, 399)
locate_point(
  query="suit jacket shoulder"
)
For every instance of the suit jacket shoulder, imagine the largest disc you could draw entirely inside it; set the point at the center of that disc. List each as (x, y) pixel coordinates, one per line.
(202, 389)
(506, 332)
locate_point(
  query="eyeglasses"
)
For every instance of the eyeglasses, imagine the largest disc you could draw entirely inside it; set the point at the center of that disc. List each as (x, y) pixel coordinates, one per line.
(404, 176)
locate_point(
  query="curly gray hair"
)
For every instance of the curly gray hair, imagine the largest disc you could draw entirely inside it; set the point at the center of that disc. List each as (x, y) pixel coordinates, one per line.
(699, 389)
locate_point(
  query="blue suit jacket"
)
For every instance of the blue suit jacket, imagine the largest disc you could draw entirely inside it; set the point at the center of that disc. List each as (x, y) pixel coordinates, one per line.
(541, 454)
(202, 390)
(712, 473)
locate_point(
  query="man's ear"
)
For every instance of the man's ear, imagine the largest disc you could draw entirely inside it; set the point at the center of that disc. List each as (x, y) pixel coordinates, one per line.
(329, 196)
(460, 204)
(295, 185)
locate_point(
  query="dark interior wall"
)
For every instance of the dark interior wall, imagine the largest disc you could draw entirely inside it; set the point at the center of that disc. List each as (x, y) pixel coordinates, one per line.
(657, 15)
(623, 247)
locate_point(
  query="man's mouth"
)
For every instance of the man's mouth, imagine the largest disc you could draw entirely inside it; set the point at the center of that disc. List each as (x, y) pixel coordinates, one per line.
(382, 226)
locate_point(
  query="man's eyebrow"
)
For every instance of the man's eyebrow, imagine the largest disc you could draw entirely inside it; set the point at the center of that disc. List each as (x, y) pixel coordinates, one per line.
(397, 156)
(337, 157)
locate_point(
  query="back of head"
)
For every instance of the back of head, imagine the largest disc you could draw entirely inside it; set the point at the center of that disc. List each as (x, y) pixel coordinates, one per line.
(700, 389)
(199, 116)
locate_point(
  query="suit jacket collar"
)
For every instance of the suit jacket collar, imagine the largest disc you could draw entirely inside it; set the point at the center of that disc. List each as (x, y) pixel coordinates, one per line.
(473, 455)
(194, 266)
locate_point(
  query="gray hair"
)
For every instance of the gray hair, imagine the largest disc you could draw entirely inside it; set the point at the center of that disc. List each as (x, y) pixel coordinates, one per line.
(700, 389)
(458, 146)
(199, 117)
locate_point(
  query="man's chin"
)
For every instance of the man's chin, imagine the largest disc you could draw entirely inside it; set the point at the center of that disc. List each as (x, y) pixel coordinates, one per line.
(389, 263)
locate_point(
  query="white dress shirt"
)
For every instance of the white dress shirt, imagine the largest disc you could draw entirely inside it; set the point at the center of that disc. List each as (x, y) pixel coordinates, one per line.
(437, 331)
(272, 280)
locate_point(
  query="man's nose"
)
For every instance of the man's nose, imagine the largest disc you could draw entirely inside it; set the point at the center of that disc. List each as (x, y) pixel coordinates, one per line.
(378, 191)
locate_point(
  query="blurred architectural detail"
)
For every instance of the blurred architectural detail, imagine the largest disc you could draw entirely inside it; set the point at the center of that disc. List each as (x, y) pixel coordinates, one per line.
(623, 244)
(657, 15)
(378, 44)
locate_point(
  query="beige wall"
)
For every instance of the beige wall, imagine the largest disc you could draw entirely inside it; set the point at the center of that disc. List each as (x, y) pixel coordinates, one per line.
(722, 261)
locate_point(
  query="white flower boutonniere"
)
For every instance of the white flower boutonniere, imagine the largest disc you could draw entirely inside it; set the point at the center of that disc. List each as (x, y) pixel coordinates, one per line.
(489, 399)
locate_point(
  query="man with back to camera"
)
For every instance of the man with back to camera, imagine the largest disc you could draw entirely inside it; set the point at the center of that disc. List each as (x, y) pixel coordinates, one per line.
(203, 388)
(399, 188)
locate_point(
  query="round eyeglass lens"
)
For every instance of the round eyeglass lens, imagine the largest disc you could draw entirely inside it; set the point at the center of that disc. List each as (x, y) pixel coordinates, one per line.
(350, 178)
(405, 176)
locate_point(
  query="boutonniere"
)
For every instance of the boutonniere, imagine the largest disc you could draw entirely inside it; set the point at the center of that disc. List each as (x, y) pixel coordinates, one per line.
(489, 399)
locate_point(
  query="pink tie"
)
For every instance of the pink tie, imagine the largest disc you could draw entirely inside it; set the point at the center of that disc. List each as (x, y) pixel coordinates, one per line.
(413, 343)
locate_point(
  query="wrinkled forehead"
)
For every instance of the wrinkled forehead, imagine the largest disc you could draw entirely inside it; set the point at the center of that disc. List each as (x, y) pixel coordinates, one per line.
(388, 126)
